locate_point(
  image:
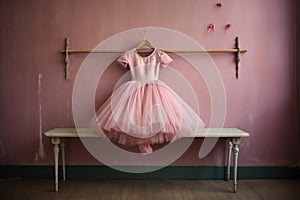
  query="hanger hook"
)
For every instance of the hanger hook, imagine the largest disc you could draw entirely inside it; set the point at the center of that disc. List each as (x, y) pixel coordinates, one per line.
(145, 34)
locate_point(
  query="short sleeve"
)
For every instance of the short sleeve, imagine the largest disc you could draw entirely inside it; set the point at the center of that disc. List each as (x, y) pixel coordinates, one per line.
(123, 60)
(165, 59)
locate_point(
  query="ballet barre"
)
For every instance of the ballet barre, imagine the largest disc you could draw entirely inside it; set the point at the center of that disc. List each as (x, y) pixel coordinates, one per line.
(237, 51)
(233, 136)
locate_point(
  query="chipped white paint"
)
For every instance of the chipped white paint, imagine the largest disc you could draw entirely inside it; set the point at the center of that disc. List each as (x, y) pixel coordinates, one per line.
(68, 106)
(41, 150)
(252, 149)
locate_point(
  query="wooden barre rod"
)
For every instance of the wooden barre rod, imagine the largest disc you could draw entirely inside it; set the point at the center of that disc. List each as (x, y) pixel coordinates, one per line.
(236, 52)
(164, 50)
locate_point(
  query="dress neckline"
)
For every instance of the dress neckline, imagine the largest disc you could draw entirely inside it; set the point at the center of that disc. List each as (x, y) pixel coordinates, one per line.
(152, 53)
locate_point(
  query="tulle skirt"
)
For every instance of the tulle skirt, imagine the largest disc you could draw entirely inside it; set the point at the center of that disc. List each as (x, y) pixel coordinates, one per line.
(145, 113)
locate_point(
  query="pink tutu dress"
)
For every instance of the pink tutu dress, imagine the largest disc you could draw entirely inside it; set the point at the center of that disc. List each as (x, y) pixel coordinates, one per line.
(145, 111)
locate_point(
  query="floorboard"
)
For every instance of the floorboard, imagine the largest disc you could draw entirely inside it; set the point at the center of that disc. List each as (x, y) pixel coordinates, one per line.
(28, 189)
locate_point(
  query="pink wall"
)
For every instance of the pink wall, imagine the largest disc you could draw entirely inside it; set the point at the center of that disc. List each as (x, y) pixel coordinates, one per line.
(262, 102)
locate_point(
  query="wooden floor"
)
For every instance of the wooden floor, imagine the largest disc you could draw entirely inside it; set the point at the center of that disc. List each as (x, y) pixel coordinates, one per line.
(149, 189)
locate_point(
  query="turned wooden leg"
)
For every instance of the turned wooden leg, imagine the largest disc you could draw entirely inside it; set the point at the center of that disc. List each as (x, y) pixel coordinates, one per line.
(56, 142)
(229, 160)
(236, 142)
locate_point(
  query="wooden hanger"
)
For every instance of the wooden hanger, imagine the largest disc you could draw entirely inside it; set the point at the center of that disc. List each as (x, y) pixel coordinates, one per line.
(144, 43)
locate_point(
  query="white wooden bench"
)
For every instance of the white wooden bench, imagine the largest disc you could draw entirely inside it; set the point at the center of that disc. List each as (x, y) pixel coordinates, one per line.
(58, 135)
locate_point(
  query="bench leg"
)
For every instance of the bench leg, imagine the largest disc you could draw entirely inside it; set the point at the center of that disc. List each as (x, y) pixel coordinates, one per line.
(56, 142)
(63, 159)
(229, 160)
(236, 142)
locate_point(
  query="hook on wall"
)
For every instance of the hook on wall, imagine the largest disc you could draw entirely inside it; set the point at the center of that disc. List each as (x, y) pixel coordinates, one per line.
(145, 35)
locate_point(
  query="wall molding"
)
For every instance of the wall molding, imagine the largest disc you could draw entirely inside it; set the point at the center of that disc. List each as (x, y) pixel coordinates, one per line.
(169, 172)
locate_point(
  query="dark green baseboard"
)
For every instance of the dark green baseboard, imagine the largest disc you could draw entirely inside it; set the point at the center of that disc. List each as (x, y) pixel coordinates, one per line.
(169, 172)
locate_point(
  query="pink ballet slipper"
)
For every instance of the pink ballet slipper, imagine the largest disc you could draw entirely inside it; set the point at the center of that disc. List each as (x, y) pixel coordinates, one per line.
(211, 27)
(227, 27)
